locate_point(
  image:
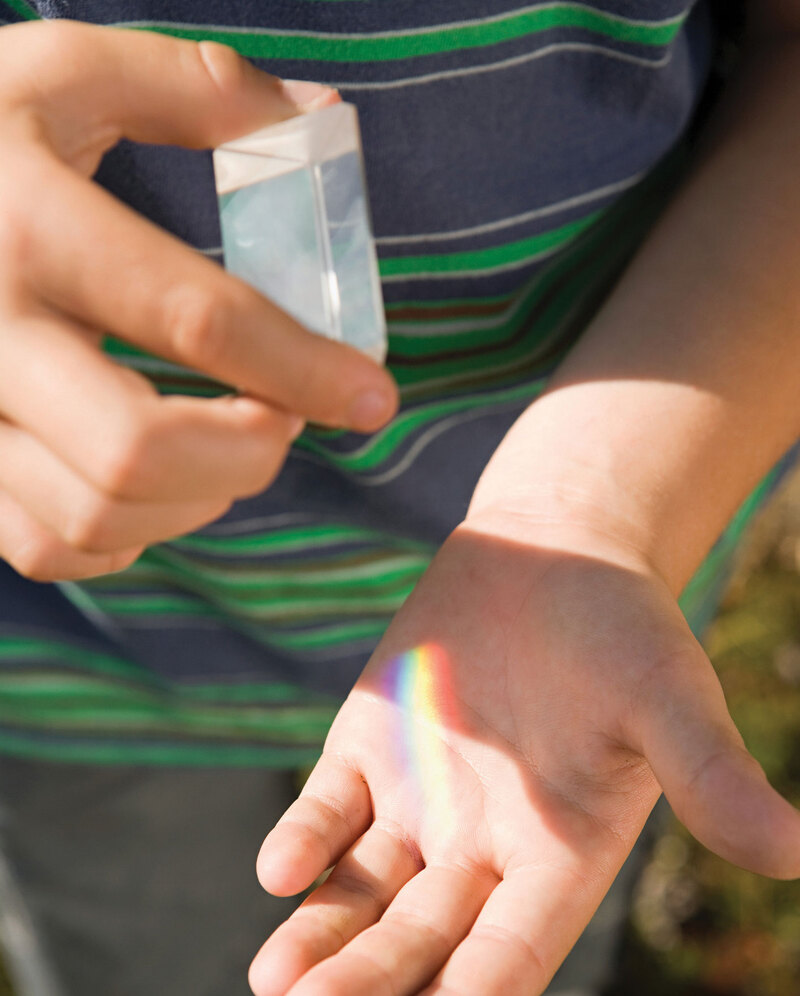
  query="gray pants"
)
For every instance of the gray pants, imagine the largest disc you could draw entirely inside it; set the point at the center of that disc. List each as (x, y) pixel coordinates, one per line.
(134, 881)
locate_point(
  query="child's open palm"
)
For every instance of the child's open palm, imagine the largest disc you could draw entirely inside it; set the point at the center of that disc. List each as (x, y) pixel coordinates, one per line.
(493, 767)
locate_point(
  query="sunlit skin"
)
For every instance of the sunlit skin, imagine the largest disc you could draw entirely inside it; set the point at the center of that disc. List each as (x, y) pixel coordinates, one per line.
(578, 692)
(94, 463)
(589, 665)
(576, 688)
(420, 683)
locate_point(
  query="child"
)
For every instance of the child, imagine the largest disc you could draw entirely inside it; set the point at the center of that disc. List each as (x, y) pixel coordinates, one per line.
(542, 658)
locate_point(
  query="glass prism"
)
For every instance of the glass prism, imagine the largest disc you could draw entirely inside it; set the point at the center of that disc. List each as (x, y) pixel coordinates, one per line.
(295, 224)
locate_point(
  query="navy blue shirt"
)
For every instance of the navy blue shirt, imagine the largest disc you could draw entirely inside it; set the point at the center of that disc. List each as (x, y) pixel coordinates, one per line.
(512, 157)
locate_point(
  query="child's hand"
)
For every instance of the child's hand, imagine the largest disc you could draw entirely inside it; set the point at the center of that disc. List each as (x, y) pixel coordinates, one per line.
(490, 772)
(93, 464)
(492, 768)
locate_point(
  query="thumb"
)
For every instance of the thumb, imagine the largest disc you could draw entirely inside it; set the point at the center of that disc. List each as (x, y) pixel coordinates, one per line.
(145, 86)
(715, 787)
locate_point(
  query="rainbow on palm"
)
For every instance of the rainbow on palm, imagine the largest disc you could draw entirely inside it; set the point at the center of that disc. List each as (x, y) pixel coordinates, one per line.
(420, 682)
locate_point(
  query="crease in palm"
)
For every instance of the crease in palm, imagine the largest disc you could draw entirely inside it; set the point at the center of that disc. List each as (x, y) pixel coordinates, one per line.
(487, 777)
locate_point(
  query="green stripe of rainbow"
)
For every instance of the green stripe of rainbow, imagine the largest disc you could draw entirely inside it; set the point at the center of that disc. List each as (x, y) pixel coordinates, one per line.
(420, 684)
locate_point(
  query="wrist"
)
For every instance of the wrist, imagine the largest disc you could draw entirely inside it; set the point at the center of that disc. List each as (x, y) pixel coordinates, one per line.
(571, 467)
(659, 465)
(570, 518)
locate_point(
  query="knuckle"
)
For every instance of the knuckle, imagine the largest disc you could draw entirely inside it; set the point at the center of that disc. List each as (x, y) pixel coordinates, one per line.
(58, 31)
(89, 526)
(35, 53)
(357, 886)
(198, 325)
(411, 922)
(35, 557)
(223, 66)
(331, 813)
(500, 937)
(62, 46)
(120, 466)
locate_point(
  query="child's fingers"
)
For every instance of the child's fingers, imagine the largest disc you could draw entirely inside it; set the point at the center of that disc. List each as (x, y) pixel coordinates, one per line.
(90, 82)
(525, 929)
(355, 895)
(109, 425)
(38, 554)
(332, 812)
(79, 514)
(73, 90)
(716, 788)
(412, 940)
(145, 286)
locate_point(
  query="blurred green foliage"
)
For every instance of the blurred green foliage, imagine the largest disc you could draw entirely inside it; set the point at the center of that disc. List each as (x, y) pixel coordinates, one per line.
(5, 985)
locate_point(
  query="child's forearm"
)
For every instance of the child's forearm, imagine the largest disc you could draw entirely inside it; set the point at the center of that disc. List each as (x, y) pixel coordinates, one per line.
(686, 387)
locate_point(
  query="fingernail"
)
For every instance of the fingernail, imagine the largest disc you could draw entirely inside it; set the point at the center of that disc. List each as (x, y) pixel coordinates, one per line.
(370, 411)
(308, 96)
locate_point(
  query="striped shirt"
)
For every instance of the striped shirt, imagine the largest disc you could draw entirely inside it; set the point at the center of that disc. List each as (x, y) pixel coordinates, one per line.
(515, 155)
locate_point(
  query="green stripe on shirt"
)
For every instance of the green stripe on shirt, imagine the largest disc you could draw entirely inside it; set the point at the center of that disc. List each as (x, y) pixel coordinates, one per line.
(393, 45)
(21, 9)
